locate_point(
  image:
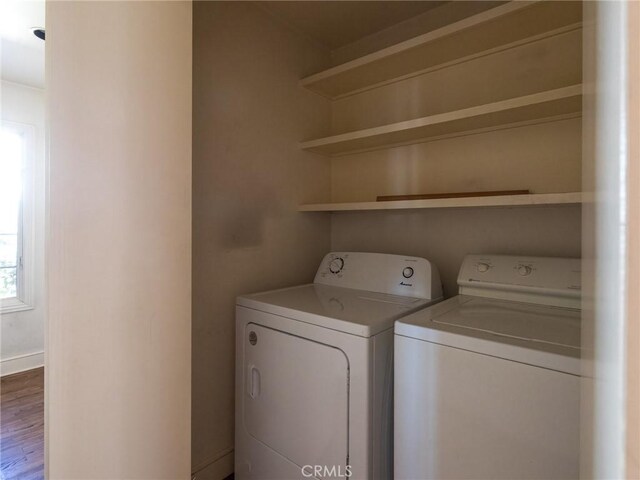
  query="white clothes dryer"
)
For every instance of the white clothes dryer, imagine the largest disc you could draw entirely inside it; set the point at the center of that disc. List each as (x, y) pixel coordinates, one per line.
(487, 383)
(314, 368)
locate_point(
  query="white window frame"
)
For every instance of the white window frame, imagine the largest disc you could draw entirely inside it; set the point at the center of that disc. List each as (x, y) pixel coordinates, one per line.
(24, 299)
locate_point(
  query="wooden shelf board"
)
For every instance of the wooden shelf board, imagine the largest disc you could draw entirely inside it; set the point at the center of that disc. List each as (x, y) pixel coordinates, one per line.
(537, 106)
(494, 30)
(540, 199)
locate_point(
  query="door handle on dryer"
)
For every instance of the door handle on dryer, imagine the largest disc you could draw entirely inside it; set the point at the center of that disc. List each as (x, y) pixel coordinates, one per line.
(253, 381)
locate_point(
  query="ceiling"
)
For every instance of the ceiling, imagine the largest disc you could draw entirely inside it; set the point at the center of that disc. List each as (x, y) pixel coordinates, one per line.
(338, 23)
(22, 53)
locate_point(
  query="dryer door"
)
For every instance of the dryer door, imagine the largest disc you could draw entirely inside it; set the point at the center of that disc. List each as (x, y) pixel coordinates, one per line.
(296, 396)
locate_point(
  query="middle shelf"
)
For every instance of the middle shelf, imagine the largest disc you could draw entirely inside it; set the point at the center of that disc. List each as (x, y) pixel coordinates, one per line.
(534, 107)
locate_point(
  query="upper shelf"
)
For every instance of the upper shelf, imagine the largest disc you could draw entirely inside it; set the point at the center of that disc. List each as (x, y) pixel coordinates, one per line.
(497, 29)
(537, 106)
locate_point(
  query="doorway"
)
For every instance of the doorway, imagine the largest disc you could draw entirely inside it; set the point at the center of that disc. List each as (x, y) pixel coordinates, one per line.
(22, 239)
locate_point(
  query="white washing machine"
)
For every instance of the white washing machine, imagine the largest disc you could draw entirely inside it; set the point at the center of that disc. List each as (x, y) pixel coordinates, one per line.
(487, 383)
(314, 368)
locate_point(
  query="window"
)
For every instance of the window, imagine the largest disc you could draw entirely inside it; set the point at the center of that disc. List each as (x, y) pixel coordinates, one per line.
(16, 216)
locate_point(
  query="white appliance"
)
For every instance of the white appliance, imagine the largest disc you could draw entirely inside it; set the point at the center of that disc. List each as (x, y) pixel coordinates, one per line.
(314, 368)
(487, 382)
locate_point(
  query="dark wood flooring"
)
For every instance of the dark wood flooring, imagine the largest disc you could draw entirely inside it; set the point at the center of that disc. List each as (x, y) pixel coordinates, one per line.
(22, 426)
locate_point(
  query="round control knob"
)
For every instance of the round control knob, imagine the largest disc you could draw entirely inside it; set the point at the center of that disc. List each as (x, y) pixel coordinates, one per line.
(335, 265)
(483, 267)
(407, 272)
(524, 270)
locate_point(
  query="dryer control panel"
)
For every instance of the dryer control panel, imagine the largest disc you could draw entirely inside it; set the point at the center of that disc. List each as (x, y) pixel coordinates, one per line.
(383, 273)
(543, 280)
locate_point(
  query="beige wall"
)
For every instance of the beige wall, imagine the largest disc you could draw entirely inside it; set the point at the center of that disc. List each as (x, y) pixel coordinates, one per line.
(119, 246)
(446, 236)
(632, 360)
(249, 176)
(542, 158)
(610, 324)
(606, 234)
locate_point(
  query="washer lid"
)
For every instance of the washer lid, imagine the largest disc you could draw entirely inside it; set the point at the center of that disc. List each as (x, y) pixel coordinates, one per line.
(357, 312)
(538, 335)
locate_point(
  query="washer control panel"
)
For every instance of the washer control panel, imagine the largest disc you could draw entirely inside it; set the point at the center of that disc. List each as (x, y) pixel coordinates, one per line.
(522, 278)
(382, 273)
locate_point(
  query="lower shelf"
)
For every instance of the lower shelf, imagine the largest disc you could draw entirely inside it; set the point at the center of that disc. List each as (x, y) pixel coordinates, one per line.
(539, 199)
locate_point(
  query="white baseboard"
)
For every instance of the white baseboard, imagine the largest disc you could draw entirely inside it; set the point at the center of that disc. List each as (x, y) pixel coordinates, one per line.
(218, 468)
(21, 363)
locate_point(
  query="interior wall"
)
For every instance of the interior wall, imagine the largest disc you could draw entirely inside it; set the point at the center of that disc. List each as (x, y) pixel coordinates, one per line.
(610, 141)
(249, 114)
(542, 158)
(118, 366)
(22, 333)
(445, 236)
(632, 347)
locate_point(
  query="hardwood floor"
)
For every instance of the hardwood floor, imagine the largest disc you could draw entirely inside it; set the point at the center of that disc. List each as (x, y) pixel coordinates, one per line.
(22, 426)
